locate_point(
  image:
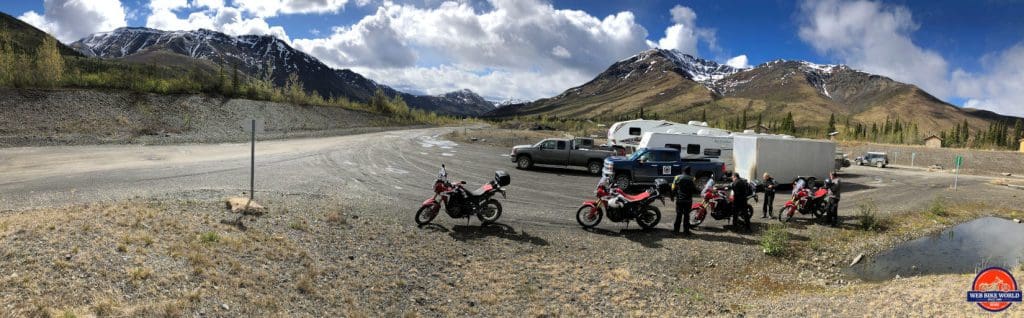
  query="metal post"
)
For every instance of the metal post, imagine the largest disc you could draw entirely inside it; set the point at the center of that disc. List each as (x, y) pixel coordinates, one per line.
(912, 156)
(252, 163)
(956, 177)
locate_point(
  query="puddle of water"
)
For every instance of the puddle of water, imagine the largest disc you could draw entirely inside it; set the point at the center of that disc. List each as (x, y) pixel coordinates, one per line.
(962, 249)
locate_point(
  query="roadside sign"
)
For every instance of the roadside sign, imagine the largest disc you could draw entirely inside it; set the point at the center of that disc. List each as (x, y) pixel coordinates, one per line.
(247, 125)
(959, 161)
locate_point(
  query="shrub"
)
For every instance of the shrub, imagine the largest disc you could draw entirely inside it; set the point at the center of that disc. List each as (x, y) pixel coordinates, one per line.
(938, 208)
(869, 219)
(775, 240)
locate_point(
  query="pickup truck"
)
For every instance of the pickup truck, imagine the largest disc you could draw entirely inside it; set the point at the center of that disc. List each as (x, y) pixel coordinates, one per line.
(579, 152)
(648, 164)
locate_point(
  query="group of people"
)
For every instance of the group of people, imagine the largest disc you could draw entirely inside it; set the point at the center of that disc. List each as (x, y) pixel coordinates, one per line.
(684, 188)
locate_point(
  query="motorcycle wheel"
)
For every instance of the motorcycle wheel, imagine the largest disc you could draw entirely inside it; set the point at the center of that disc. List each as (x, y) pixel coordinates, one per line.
(584, 219)
(694, 222)
(819, 211)
(490, 212)
(649, 217)
(425, 214)
(786, 214)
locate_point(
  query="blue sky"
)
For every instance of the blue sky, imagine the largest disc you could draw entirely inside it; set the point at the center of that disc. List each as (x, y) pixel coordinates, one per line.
(966, 52)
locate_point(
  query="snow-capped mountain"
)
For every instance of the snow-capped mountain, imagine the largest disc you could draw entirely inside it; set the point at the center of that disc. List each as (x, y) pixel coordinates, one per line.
(669, 83)
(510, 101)
(257, 56)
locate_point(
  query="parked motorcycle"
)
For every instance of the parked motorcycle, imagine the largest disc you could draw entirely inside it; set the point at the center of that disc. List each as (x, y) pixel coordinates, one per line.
(805, 200)
(461, 203)
(620, 206)
(718, 203)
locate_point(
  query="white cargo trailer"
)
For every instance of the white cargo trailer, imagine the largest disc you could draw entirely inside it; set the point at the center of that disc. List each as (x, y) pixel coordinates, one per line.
(628, 133)
(783, 157)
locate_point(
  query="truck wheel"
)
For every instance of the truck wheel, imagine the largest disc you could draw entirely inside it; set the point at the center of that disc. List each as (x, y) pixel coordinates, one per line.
(594, 167)
(524, 162)
(623, 180)
(880, 164)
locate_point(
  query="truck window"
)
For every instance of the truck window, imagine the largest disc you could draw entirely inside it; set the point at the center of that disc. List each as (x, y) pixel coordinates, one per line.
(634, 131)
(674, 146)
(664, 156)
(711, 152)
(548, 144)
(561, 145)
(693, 149)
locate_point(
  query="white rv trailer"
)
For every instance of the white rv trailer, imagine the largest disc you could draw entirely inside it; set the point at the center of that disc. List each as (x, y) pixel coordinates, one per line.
(692, 146)
(783, 157)
(628, 133)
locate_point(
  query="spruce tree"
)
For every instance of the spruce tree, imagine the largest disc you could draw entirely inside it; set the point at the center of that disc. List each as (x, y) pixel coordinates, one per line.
(831, 123)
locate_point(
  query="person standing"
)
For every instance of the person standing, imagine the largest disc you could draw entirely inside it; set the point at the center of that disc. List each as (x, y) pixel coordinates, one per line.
(833, 198)
(740, 191)
(769, 196)
(684, 188)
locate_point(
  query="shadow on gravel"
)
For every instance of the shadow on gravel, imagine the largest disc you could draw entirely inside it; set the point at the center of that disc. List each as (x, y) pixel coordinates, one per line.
(648, 238)
(562, 171)
(465, 233)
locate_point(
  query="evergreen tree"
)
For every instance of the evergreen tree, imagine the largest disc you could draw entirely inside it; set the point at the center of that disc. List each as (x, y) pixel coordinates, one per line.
(964, 134)
(641, 116)
(236, 85)
(704, 115)
(831, 123)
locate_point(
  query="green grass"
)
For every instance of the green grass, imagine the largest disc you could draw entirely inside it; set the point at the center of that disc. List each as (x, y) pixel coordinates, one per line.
(209, 237)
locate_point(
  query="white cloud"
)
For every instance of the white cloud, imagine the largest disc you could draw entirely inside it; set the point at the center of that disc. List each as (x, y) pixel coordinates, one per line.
(454, 46)
(270, 8)
(999, 88)
(739, 61)
(684, 34)
(875, 38)
(70, 20)
(224, 19)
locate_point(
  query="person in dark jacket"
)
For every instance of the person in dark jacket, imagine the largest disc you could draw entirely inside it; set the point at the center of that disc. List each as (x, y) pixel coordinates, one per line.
(833, 198)
(769, 196)
(684, 188)
(740, 192)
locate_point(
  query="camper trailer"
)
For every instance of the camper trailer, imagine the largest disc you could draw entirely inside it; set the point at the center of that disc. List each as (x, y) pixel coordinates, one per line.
(692, 146)
(628, 133)
(784, 157)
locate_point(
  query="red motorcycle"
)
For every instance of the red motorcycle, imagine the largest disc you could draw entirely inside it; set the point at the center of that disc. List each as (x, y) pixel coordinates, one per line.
(461, 203)
(620, 206)
(805, 201)
(718, 203)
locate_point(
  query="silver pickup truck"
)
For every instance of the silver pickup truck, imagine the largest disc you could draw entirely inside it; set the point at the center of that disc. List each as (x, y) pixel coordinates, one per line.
(579, 152)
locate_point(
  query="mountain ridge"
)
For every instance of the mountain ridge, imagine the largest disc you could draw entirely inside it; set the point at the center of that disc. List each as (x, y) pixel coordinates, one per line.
(684, 87)
(262, 55)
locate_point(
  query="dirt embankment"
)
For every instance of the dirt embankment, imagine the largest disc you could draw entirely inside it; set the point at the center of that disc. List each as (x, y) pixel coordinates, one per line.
(30, 117)
(980, 162)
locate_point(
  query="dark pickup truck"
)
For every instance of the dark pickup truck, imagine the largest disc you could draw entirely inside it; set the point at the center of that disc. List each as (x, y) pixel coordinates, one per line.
(579, 152)
(648, 164)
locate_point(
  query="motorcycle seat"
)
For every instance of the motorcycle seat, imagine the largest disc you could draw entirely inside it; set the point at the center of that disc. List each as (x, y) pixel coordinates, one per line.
(636, 197)
(483, 189)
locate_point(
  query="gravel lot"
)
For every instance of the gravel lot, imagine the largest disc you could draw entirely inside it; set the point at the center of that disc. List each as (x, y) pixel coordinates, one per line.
(982, 162)
(340, 240)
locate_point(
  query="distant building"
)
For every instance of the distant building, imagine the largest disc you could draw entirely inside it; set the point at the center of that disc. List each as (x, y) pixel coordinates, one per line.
(933, 141)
